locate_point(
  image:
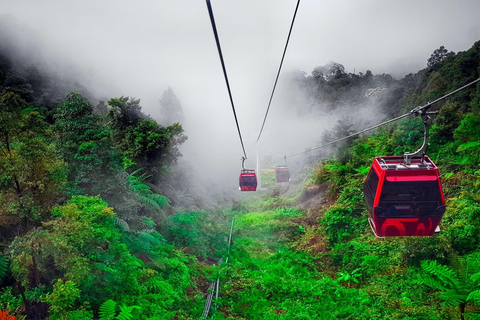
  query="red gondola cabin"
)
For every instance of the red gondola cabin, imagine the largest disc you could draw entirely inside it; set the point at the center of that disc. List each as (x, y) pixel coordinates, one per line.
(282, 174)
(248, 180)
(404, 200)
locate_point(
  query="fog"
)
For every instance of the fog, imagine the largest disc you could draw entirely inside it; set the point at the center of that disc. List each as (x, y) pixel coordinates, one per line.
(140, 48)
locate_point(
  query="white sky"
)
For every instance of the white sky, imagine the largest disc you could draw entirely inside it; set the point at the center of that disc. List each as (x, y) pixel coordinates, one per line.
(139, 48)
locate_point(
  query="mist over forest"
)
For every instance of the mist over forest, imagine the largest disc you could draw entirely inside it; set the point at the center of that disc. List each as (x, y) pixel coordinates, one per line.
(120, 163)
(307, 106)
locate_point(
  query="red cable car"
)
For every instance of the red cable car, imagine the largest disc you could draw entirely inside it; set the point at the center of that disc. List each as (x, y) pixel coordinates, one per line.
(404, 200)
(282, 174)
(248, 180)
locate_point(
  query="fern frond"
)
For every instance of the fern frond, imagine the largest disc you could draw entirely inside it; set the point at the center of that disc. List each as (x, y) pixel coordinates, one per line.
(126, 313)
(154, 286)
(148, 222)
(468, 145)
(134, 173)
(139, 187)
(79, 315)
(147, 239)
(444, 273)
(161, 200)
(107, 310)
(475, 277)
(474, 296)
(121, 223)
(473, 316)
(3, 267)
(149, 203)
(452, 298)
(432, 283)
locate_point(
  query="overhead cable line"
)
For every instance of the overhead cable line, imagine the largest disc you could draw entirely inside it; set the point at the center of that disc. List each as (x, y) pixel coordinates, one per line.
(212, 20)
(280, 68)
(416, 111)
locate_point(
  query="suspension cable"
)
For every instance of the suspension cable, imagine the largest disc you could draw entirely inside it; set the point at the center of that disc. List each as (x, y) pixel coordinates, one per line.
(415, 111)
(212, 20)
(280, 68)
(352, 135)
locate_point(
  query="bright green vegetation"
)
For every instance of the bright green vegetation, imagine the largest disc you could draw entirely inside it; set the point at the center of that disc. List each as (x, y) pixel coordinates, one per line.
(90, 229)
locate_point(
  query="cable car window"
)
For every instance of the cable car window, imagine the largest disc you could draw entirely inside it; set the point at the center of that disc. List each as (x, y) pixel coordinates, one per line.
(248, 181)
(370, 188)
(410, 198)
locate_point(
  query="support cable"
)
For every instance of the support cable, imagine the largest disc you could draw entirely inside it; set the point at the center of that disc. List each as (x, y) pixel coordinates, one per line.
(280, 68)
(416, 111)
(212, 20)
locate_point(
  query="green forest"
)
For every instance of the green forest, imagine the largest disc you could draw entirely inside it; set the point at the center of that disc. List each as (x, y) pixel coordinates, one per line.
(90, 227)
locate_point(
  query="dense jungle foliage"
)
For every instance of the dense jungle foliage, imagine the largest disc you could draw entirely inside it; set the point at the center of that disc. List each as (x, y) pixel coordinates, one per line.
(88, 230)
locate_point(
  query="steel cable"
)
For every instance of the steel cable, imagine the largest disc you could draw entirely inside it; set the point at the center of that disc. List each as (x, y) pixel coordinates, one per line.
(212, 20)
(279, 69)
(415, 111)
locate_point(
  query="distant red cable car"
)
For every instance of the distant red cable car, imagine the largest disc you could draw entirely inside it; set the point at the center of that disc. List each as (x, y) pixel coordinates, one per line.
(248, 180)
(282, 174)
(404, 200)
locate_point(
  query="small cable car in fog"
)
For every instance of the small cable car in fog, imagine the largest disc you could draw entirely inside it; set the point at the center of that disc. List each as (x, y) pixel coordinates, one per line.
(282, 174)
(404, 199)
(248, 180)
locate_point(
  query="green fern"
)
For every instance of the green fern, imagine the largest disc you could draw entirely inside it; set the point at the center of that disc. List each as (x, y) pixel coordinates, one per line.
(127, 313)
(121, 223)
(107, 310)
(474, 296)
(445, 274)
(79, 315)
(475, 277)
(3, 267)
(147, 239)
(468, 145)
(152, 201)
(473, 316)
(458, 288)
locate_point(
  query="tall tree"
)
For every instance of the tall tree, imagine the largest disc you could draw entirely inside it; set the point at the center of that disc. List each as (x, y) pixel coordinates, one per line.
(437, 57)
(31, 174)
(170, 108)
(85, 142)
(145, 143)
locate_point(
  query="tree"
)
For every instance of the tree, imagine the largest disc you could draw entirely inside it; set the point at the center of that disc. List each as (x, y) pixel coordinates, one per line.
(81, 245)
(330, 71)
(437, 57)
(170, 108)
(124, 112)
(32, 176)
(86, 145)
(144, 142)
